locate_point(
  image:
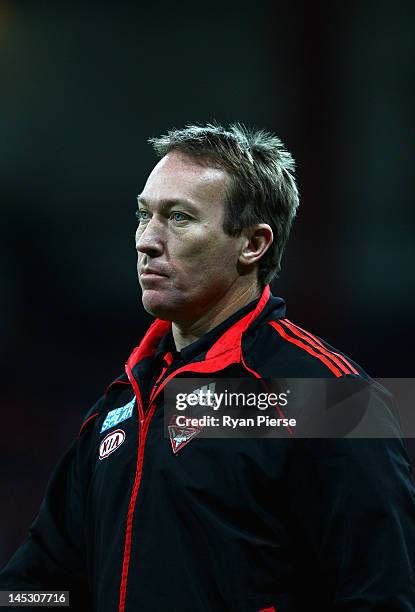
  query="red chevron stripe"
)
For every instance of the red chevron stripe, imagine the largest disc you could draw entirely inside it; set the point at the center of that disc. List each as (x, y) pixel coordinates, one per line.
(316, 345)
(87, 421)
(306, 347)
(339, 355)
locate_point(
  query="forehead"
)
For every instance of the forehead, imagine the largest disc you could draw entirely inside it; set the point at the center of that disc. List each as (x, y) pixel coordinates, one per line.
(180, 176)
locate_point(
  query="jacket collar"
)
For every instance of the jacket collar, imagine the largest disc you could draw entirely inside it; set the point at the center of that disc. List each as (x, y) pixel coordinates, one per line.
(225, 351)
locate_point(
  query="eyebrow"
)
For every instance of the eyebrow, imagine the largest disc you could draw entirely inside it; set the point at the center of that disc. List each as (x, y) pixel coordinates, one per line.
(170, 202)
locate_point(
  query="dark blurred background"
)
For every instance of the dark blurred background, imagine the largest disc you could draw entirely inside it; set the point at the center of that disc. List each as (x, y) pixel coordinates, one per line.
(82, 87)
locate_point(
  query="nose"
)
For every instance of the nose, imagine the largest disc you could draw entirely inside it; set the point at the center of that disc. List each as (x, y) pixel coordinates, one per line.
(149, 239)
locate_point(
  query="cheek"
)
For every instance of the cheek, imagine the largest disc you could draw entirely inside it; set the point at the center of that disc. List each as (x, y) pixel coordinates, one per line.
(140, 257)
(207, 258)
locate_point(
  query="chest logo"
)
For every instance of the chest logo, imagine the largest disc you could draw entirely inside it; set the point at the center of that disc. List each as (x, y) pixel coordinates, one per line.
(111, 442)
(118, 415)
(180, 436)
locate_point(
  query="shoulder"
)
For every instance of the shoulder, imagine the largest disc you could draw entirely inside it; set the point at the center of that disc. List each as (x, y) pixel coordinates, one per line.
(281, 347)
(117, 392)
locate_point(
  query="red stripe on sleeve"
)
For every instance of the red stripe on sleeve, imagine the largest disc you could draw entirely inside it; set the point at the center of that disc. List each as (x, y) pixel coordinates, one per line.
(306, 348)
(316, 345)
(339, 355)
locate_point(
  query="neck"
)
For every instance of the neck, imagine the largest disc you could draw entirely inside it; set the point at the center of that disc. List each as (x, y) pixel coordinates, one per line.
(227, 305)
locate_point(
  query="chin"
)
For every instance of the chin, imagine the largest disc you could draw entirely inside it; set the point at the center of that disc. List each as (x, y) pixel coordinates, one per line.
(158, 305)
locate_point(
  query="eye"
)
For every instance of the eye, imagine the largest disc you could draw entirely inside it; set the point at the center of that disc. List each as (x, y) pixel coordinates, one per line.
(142, 215)
(179, 216)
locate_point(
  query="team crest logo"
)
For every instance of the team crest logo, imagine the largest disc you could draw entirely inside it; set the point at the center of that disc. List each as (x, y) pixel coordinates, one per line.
(111, 442)
(180, 436)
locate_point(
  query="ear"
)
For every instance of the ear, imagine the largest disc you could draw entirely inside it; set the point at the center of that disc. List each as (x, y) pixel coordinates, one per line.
(257, 240)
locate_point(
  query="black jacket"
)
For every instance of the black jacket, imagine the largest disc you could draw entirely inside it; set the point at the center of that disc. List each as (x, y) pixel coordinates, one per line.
(133, 520)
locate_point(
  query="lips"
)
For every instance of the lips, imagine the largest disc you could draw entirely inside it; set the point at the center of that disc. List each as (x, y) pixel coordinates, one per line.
(147, 272)
(151, 279)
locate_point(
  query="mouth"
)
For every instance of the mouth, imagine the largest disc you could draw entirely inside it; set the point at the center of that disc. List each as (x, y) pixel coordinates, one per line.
(151, 274)
(147, 276)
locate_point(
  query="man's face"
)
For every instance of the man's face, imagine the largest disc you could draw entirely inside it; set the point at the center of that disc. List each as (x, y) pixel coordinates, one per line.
(186, 262)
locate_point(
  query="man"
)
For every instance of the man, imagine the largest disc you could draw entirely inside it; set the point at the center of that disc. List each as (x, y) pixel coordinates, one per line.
(135, 520)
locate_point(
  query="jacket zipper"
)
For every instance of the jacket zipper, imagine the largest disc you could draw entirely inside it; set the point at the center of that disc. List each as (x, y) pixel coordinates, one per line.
(144, 423)
(142, 435)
